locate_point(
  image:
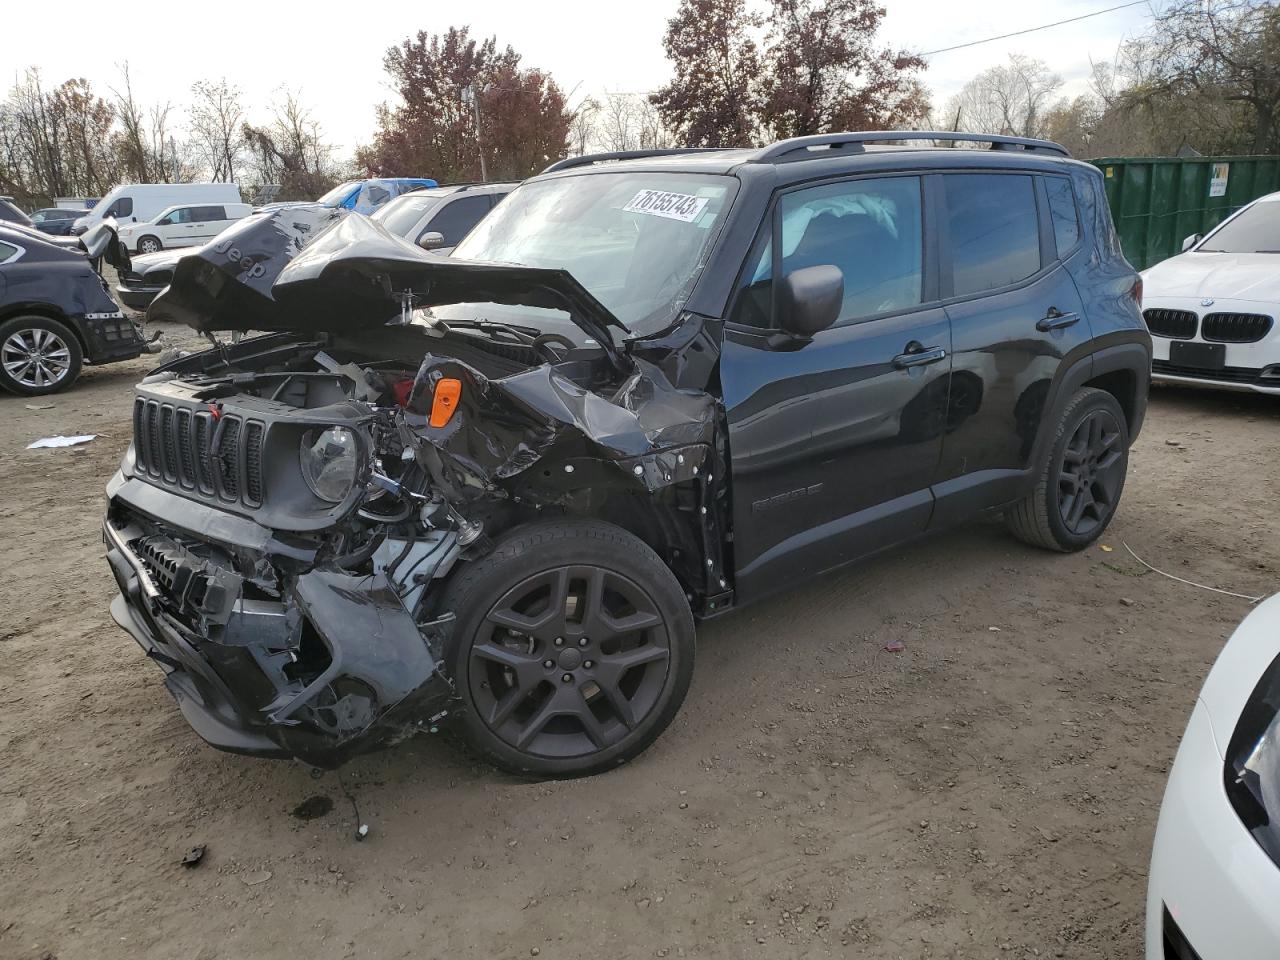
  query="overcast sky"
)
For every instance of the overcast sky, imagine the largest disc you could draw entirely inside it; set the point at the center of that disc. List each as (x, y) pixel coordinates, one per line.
(332, 53)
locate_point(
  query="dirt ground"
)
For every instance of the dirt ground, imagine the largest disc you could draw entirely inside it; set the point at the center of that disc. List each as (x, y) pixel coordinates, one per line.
(991, 791)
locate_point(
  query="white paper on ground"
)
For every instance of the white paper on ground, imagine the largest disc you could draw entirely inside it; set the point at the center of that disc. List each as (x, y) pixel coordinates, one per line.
(44, 442)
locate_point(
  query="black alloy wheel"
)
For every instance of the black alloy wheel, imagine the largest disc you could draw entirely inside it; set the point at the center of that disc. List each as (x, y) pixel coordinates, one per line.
(1091, 473)
(572, 649)
(1081, 477)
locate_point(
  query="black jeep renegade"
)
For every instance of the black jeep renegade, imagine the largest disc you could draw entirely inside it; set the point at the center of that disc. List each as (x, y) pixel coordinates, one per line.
(499, 487)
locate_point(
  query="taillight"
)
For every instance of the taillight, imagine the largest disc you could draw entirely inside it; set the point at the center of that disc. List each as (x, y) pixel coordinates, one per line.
(445, 401)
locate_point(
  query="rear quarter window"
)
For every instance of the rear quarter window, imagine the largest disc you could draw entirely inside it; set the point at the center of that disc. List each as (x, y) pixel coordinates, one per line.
(993, 230)
(1062, 211)
(8, 252)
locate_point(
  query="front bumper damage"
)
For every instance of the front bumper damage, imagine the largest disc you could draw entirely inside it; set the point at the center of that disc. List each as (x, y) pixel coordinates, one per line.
(333, 667)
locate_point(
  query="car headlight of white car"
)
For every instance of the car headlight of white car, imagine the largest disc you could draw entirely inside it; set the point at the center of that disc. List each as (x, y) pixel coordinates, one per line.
(1253, 763)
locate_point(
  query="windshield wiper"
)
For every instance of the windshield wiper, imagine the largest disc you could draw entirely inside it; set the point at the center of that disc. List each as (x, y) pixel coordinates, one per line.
(519, 334)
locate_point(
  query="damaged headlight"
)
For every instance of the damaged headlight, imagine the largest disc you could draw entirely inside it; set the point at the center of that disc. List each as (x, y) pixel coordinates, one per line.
(329, 458)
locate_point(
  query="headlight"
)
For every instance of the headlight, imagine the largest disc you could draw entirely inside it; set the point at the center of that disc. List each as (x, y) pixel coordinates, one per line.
(329, 457)
(1253, 763)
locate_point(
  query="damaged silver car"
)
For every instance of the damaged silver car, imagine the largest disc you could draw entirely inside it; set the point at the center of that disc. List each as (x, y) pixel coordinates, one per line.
(496, 488)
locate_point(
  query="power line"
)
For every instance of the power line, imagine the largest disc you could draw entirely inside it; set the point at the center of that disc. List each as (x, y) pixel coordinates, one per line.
(1045, 26)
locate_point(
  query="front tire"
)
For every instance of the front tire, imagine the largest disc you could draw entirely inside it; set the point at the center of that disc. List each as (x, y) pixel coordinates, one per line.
(1081, 478)
(38, 355)
(149, 244)
(572, 649)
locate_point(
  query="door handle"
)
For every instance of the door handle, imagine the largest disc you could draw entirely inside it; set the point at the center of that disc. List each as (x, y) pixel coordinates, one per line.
(1056, 320)
(918, 355)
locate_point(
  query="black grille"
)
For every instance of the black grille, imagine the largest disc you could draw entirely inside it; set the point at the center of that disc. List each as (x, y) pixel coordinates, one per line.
(1235, 327)
(253, 462)
(227, 459)
(1177, 324)
(174, 444)
(1224, 374)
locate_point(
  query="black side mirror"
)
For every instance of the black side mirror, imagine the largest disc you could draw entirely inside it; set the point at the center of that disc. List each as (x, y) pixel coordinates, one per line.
(809, 300)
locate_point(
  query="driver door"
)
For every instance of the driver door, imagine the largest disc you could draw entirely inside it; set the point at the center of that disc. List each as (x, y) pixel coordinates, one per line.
(835, 440)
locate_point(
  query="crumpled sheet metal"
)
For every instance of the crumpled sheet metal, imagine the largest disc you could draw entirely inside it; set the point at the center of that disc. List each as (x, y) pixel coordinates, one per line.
(503, 427)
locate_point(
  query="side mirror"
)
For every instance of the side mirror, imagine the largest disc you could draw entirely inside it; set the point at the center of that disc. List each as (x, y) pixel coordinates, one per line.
(809, 300)
(431, 240)
(1191, 241)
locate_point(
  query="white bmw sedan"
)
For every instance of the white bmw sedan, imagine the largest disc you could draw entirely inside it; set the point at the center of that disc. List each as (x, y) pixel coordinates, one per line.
(1212, 309)
(1214, 886)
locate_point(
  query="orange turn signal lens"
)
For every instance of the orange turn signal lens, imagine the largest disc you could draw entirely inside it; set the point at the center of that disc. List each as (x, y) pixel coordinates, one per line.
(445, 401)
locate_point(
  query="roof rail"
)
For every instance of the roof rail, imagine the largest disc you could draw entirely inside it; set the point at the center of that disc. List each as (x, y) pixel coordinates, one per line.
(801, 148)
(589, 158)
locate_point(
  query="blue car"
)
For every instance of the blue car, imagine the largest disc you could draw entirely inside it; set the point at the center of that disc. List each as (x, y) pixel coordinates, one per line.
(363, 196)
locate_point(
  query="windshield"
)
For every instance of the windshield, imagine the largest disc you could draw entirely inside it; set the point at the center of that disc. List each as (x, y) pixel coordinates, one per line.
(402, 214)
(635, 240)
(1255, 230)
(339, 193)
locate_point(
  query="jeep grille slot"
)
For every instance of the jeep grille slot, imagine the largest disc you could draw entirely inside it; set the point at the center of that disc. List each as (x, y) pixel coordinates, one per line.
(1175, 324)
(227, 459)
(1235, 327)
(174, 445)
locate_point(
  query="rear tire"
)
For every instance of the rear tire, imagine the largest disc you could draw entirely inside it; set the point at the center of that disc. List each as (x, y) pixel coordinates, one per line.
(38, 355)
(572, 650)
(1081, 478)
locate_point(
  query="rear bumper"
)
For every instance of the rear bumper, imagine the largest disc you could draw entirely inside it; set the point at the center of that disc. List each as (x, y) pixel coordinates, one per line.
(334, 668)
(110, 337)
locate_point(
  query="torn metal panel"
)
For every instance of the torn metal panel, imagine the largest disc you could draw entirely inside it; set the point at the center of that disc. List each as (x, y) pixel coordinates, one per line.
(505, 426)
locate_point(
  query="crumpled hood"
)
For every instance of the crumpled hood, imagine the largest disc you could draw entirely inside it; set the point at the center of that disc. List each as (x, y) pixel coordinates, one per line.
(294, 269)
(1225, 276)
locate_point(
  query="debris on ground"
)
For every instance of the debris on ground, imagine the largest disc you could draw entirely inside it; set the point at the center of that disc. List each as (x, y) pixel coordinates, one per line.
(313, 807)
(193, 856)
(895, 646)
(50, 442)
(255, 878)
(39, 406)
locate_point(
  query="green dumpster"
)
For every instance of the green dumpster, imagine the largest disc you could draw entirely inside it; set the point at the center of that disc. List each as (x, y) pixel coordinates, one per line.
(1157, 201)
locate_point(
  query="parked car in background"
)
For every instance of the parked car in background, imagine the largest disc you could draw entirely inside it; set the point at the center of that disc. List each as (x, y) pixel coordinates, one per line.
(55, 221)
(182, 226)
(1212, 309)
(139, 202)
(1213, 890)
(714, 374)
(362, 196)
(438, 219)
(56, 312)
(10, 213)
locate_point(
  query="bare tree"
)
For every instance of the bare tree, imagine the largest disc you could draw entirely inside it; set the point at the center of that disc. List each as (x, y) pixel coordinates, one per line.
(291, 151)
(631, 121)
(582, 126)
(1013, 99)
(217, 121)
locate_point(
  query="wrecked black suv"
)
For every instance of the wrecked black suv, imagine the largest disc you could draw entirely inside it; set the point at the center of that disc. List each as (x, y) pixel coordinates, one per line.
(500, 486)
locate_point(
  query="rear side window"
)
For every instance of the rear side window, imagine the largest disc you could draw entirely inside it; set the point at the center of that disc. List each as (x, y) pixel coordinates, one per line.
(8, 252)
(994, 230)
(1062, 210)
(456, 219)
(208, 213)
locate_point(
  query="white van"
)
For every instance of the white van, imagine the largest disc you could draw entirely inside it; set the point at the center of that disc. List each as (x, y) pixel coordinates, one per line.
(184, 225)
(138, 202)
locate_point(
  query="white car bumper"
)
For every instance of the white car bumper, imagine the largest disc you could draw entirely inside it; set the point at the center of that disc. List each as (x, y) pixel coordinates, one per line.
(1252, 367)
(1220, 888)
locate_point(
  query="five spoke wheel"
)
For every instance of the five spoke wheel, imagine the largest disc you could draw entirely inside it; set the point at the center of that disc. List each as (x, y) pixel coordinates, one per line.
(1092, 473)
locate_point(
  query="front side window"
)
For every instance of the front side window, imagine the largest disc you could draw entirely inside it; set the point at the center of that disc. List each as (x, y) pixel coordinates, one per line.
(123, 207)
(1255, 230)
(1062, 210)
(994, 230)
(636, 241)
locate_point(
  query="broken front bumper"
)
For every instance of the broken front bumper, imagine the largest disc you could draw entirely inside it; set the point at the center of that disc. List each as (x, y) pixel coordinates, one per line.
(332, 668)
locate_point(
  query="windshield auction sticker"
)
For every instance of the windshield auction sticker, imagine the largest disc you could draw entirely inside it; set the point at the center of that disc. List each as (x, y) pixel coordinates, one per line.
(673, 206)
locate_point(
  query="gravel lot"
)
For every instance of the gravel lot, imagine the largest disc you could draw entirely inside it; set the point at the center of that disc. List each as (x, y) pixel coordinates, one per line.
(991, 791)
